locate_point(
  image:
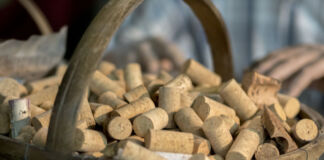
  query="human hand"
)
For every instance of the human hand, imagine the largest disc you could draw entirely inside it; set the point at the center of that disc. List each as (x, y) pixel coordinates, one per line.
(153, 54)
(297, 67)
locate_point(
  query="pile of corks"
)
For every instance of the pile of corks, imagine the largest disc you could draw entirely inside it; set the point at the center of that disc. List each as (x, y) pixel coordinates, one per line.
(130, 115)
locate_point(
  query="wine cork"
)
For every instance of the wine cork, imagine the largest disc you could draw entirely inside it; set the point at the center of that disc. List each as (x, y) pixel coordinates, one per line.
(119, 128)
(60, 70)
(290, 105)
(234, 95)
(267, 151)
(187, 98)
(4, 107)
(148, 78)
(176, 142)
(92, 154)
(135, 108)
(47, 94)
(111, 99)
(40, 137)
(87, 140)
(35, 110)
(111, 149)
(47, 105)
(206, 108)
(244, 145)
(277, 109)
(41, 120)
(38, 85)
(4, 123)
(19, 115)
(198, 157)
(26, 134)
(215, 157)
(106, 67)
(188, 121)
(182, 82)
(136, 139)
(200, 74)
(230, 123)
(133, 76)
(154, 119)
(119, 73)
(153, 89)
(100, 112)
(136, 93)
(85, 113)
(10, 87)
(164, 76)
(132, 151)
(170, 101)
(305, 130)
(218, 134)
(100, 84)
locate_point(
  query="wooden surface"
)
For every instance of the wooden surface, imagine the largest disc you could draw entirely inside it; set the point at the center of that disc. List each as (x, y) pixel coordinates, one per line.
(82, 65)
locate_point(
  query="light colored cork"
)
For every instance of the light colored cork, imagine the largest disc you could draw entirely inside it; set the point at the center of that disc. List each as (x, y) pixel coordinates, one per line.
(85, 113)
(136, 93)
(40, 84)
(100, 112)
(277, 109)
(106, 67)
(135, 108)
(230, 123)
(170, 101)
(182, 82)
(19, 115)
(4, 107)
(93, 154)
(119, 74)
(128, 150)
(200, 74)
(40, 137)
(215, 157)
(133, 76)
(119, 128)
(164, 76)
(60, 70)
(176, 142)
(4, 123)
(206, 108)
(47, 105)
(188, 121)
(261, 89)
(47, 94)
(111, 99)
(218, 134)
(290, 105)
(198, 157)
(35, 110)
(26, 134)
(305, 130)
(41, 120)
(244, 145)
(136, 139)
(267, 151)
(153, 89)
(154, 119)
(88, 140)
(10, 87)
(234, 95)
(187, 98)
(101, 83)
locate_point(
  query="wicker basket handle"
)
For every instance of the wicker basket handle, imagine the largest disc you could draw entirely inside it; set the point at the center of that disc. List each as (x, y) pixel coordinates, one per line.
(88, 54)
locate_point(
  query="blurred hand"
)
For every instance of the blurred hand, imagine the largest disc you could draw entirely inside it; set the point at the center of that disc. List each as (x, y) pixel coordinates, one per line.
(153, 54)
(297, 67)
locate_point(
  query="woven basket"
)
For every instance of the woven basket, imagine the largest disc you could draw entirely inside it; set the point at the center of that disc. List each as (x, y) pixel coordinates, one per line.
(88, 54)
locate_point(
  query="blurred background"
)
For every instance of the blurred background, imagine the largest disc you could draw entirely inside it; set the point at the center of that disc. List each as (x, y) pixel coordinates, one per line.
(258, 31)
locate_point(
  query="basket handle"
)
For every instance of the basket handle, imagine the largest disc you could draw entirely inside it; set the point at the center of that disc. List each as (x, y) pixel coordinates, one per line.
(88, 54)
